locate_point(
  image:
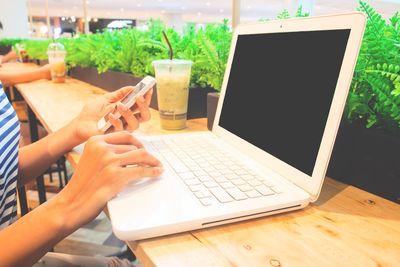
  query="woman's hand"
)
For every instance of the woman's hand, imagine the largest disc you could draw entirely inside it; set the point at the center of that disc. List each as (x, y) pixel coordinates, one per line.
(92, 112)
(45, 71)
(102, 173)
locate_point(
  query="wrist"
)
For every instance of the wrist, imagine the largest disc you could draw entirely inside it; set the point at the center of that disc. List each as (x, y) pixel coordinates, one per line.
(68, 211)
(76, 211)
(76, 138)
(61, 213)
(63, 140)
(45, 73)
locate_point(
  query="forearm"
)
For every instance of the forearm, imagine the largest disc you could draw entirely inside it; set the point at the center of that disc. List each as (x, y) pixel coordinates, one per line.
(28, 239)
(36, 158)
(10, 78)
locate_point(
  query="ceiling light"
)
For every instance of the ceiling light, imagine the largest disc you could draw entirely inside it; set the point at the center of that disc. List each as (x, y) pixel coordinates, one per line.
(221, 11)
(248, 7)
(121, 9)
(208, 4)
(199, 14)
(163, 11)
(183, 8)
(139, 5)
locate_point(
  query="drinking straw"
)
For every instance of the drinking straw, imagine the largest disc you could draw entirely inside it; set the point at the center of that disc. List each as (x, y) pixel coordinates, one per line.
(171, 53)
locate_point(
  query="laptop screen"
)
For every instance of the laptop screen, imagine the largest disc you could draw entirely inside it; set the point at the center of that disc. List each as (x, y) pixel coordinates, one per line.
(280, 90)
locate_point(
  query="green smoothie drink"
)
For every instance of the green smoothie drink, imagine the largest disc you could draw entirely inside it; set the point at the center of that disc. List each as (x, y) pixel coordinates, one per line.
(173, 78)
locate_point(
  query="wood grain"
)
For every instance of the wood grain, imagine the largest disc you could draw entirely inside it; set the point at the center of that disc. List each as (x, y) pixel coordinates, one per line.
(340, 229)
(56, 104)
(345, 227)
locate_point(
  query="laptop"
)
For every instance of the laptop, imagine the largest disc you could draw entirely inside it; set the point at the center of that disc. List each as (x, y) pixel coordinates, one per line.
(279, 110)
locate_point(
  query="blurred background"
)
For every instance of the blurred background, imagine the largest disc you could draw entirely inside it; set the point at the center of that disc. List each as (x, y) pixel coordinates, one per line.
(55, 18)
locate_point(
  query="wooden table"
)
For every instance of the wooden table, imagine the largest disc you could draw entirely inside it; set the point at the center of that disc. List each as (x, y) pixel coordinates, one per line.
(345, 227)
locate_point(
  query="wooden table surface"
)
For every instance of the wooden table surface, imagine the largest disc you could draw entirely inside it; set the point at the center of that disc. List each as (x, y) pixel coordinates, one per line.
(345, 227)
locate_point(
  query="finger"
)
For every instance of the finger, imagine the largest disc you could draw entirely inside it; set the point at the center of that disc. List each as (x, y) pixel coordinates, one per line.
(117, 123)
(148, 96)
(119, 149)
(122, 138)
(132, 173)
(119, 94)
(143, 108)
(139, 156)
(129, 117)
(108, 108)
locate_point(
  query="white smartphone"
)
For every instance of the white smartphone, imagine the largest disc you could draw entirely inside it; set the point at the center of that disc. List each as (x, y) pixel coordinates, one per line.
(129, 100)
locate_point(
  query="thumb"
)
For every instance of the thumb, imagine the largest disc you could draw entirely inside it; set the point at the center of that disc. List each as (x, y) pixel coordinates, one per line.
(119, 94)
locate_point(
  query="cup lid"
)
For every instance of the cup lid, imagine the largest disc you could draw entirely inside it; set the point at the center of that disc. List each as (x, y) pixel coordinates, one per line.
(56, 47)
(172, 62)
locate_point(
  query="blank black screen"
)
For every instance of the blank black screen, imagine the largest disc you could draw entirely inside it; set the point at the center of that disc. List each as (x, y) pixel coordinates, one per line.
(280, 90)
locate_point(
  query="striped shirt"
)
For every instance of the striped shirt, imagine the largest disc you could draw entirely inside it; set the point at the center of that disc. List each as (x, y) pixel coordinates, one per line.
(9, 140)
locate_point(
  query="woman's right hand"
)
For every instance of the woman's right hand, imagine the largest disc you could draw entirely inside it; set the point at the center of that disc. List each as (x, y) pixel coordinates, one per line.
(102, 172)
(45, 71)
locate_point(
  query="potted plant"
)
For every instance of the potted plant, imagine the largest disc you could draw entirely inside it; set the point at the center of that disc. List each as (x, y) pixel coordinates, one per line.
(366, 152)
(123, 57)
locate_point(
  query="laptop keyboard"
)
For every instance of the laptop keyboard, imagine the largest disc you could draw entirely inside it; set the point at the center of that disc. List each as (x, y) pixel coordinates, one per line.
(211, 174)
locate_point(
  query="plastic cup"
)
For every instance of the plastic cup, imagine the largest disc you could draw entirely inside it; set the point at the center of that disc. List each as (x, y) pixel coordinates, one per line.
(56, 54)
(22, 54)
(173, 77)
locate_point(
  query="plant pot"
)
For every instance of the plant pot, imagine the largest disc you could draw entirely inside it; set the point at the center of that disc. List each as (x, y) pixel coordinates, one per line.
(377, 166)
(373, 161)
(109, 80)
(197, 105)
(41, 62)
(343, 153)
(212, 102)
(197, 102)
(113, 80)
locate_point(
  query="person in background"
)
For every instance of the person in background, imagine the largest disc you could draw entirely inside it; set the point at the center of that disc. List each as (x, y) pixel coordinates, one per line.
(12, 55)
(10, 77)
(102, 172)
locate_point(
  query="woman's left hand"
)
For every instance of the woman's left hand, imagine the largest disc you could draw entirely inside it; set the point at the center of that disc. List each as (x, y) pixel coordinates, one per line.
(92, 112)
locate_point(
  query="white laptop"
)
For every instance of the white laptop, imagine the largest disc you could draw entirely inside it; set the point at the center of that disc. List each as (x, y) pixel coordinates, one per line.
(281, 102)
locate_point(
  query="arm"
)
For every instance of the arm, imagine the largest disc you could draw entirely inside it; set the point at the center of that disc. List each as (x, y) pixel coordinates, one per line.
(36, 158)
(10, 78)
(100, 175)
